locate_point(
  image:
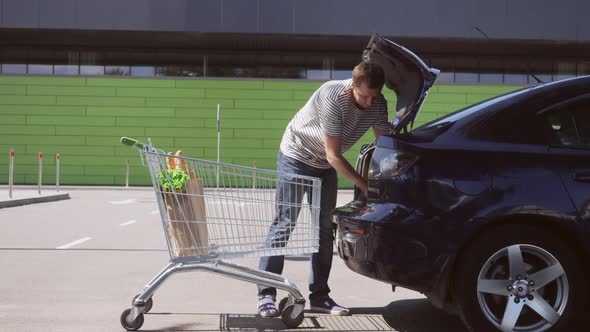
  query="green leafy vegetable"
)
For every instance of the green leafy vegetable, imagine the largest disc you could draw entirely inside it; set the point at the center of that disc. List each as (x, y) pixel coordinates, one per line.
(177, 176)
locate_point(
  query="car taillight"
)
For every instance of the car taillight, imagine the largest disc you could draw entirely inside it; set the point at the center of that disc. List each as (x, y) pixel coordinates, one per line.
(387, 163)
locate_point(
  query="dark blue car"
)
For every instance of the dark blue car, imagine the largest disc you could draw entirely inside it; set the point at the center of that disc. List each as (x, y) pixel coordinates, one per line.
(486, 210)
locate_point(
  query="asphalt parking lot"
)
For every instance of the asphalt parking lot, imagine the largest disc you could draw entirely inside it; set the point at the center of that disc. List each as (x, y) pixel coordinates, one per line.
(75, 265)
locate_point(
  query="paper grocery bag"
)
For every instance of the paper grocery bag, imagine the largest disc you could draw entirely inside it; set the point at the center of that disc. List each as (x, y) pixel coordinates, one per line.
(196, 189)
(187, 226)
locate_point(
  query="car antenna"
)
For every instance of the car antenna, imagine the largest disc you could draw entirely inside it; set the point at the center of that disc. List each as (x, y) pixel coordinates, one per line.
(480, 31)
(539, 81)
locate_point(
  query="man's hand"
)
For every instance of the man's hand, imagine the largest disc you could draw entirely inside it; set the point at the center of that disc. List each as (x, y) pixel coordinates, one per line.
(333, 146)
(364, 189)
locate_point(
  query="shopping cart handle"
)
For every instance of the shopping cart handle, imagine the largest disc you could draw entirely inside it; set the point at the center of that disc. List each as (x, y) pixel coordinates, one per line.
(132, 142)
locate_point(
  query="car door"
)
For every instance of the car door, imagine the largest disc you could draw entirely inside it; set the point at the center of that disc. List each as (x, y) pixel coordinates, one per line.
(569, 132)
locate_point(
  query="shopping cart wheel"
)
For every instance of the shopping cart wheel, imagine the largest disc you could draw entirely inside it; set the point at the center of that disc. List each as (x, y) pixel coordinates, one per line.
(131, 326)
(148, 304)
(283, 304)
(291, 322)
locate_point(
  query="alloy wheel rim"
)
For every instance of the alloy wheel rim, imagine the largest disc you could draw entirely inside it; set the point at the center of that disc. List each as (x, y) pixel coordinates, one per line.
(522, 288)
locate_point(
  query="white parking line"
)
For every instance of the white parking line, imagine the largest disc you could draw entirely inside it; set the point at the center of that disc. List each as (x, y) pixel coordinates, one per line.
(156, 212)
(129, 223)
(74, 243)
(127, 201)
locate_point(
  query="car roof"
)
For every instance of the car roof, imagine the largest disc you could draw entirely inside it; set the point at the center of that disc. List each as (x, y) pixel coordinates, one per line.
(539, 97)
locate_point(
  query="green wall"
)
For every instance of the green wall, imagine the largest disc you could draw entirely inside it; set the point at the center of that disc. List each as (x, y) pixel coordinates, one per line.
(83, 119)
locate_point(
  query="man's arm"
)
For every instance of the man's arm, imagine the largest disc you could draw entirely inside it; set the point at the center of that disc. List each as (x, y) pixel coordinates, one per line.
(333, 145)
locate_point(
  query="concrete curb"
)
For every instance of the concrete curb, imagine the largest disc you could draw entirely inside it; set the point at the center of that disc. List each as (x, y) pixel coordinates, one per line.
(33, 200)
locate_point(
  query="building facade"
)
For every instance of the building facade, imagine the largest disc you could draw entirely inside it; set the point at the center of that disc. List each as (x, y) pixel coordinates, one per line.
(77, 74)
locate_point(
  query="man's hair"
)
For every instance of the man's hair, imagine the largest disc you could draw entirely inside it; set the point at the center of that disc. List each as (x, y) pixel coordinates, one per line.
(370, 73)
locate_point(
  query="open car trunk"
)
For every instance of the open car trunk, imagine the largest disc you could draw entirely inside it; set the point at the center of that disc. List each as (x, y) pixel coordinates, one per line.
(405, 74)
(362, 165)
(408, 77)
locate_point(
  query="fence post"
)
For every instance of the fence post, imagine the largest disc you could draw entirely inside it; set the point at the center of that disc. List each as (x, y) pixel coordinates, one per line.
(127, 174)
(57, 172)
(10, 172)
(40, 178)
(254, 177)
(218, 141)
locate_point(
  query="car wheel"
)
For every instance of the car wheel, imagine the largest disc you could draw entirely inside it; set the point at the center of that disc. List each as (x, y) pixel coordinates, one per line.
(519, 278)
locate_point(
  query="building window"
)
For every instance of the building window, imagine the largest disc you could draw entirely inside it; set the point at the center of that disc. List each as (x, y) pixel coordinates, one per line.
(117, 70)
(340, 74)
(66, 69)
(317, 74)
(92, 70)
(466, 78)
(318, 67)
(145, 71)
(545, 78)
(14, 68)
(516, 79)
(490, 78)
(446, 77)
(40, 69)
(460, 69)
(172, 70)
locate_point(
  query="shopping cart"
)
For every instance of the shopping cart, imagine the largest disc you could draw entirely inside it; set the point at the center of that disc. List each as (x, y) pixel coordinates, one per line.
(213, 211)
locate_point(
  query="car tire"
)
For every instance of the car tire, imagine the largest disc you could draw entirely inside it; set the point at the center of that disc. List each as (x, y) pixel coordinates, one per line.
(491, 262)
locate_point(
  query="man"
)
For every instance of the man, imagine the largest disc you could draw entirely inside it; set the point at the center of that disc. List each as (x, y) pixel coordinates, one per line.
(333, 120)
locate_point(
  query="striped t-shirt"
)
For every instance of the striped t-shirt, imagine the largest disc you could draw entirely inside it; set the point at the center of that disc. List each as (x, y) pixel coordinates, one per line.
(331, 110)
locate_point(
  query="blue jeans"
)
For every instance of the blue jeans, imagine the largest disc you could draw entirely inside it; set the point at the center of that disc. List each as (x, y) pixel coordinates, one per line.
(284, 222)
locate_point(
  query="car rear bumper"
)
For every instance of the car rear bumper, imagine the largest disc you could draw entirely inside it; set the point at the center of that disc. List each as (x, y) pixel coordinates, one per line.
(377, 240)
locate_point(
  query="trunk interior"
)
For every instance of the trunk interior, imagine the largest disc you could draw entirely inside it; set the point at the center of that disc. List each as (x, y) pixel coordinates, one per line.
(362, 165)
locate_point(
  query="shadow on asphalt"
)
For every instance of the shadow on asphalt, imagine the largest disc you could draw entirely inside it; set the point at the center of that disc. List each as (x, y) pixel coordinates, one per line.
(418, 315)
(415, 315)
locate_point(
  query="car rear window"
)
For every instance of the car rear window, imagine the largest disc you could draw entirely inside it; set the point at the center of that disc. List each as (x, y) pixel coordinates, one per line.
(472, 109)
